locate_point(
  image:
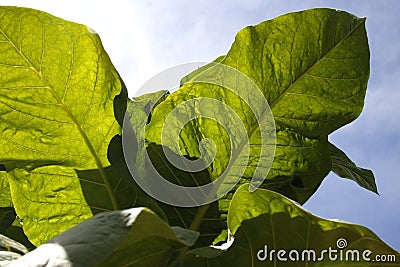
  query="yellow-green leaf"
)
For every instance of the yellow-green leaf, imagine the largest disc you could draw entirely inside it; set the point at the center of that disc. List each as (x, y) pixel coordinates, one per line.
(57, 87)
(312, 67)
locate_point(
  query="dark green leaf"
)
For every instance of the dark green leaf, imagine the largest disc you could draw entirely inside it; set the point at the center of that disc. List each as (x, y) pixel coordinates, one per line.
(134, 237)
(139, 110)
(7, 217)
(151, 242)
(345, 168)
(10, 227)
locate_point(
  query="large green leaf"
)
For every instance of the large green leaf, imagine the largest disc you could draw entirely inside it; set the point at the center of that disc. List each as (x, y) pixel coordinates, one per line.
(151, 242)
(133, 237)
(57, 87)
(311, 66)
(345, 168)
(264, 221)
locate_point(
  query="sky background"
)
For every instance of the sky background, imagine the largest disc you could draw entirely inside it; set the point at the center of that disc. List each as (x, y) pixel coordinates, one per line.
(144, 38)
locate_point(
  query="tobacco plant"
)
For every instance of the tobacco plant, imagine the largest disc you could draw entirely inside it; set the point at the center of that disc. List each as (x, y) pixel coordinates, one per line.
(69, 188)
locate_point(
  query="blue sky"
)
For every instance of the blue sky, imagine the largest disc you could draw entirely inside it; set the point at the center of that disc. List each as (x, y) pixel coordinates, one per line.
(143, 38)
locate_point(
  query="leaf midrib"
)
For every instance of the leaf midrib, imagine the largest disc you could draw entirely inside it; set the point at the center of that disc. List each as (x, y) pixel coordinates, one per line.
(285, 92)
(253, 129)
(85, 137)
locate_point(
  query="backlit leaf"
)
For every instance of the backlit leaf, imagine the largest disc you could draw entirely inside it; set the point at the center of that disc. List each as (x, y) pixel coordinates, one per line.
(57, 118)
(311, 66)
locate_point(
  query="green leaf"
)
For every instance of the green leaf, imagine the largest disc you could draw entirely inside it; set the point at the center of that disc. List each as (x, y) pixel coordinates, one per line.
(57, 119)
(150, 242)
(213, 221)
(5, 194)
(192, 76)
(7, 217)
(133, 237)
(311, 66)
(139, 113)
(116, 156)
(265, 218)
(345, 168)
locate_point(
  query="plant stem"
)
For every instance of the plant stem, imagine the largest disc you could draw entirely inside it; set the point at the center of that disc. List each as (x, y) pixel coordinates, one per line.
(198, 218)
